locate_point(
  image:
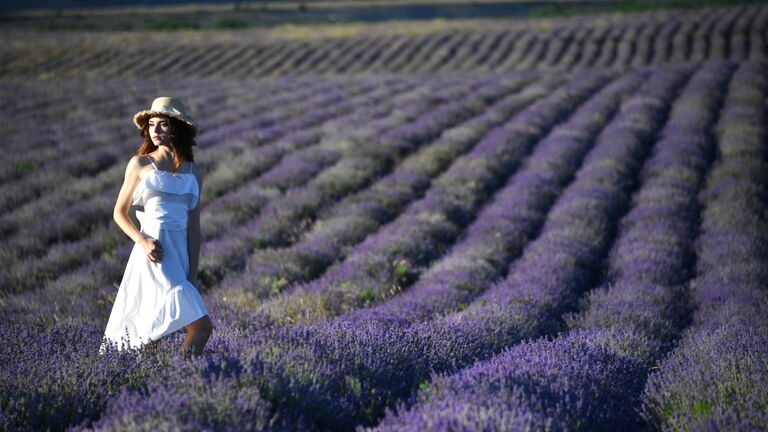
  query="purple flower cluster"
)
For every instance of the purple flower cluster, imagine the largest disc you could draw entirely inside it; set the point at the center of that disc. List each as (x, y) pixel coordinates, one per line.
(561, 384)
(53, 377)
(716, 378)
(209, 393)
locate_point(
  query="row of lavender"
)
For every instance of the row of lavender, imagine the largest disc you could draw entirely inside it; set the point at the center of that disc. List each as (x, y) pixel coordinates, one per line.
(622, 41)
(716, 379)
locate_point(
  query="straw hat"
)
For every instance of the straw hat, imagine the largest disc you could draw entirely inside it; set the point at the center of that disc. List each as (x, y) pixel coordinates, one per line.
(167, 106)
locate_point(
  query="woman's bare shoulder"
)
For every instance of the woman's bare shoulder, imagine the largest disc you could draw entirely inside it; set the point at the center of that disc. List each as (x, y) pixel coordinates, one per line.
(139, 160)
(135, 165)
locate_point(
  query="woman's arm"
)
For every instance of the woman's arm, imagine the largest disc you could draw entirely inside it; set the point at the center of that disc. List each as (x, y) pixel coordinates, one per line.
(151, 247)
(124, 200)
(193, 234)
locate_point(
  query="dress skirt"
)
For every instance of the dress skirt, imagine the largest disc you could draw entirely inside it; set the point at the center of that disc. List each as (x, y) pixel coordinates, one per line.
(154, 299)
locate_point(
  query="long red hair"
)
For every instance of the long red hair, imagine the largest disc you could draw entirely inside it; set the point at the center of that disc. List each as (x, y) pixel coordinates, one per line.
(184, 139)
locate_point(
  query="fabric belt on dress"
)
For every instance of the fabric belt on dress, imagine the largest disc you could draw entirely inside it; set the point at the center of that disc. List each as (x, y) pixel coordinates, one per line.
(154, 218)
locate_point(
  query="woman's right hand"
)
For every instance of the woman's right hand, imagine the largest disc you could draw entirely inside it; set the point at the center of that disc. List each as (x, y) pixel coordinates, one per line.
(153, 249)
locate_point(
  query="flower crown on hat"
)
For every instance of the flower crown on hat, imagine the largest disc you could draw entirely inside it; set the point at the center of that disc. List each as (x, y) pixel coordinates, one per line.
(167, 106)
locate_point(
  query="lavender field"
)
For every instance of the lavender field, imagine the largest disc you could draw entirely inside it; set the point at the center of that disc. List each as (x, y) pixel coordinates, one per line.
(504, 225)
(617, 41)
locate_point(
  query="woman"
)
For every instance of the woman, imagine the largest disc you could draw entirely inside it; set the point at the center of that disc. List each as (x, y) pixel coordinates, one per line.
(156, 297)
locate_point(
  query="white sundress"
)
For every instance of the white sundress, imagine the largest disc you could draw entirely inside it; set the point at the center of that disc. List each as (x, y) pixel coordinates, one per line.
(157, 299)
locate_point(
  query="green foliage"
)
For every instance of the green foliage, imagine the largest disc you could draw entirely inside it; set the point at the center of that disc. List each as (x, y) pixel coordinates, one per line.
(353, 384)
(424, 385)
(273, 284)
(24, 165)
(366, 296)
(702, 408)
(110, 244)
(401, 268)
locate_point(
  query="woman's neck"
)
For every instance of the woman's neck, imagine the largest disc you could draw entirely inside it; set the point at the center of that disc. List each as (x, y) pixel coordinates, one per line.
(163, 153)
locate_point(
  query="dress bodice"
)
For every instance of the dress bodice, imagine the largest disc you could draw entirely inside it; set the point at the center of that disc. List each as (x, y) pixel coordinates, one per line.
(166, 198)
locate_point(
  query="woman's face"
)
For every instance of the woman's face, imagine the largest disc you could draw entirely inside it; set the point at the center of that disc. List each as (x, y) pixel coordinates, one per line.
(160, 130)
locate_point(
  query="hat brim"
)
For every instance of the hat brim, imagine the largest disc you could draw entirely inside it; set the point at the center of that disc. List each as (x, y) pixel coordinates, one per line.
(141, 118)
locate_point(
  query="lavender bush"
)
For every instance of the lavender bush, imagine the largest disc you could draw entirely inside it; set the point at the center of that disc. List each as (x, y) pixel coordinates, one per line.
(716, 378)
